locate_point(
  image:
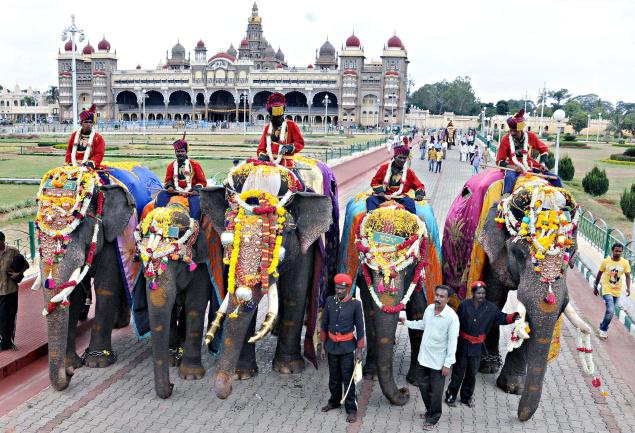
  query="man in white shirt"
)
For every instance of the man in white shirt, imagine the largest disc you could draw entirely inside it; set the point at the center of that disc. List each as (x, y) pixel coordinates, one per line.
(437, 351)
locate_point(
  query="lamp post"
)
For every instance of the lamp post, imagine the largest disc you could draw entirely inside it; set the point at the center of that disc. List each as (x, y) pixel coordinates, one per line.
(558, 116)
(588, 126)
(326, 101)
(72, 29)
(483, 121)
(244, 96)
(597, 137)
(144, 96)
(403, 115)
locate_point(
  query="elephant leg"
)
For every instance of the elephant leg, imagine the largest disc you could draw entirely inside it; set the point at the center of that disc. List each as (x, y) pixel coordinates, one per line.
(491, 359)
(108, 291)
(512, 376)
(370, 366)
(246, 368)
(122, 317)
(414, 311)
(294, 287)
(195, 303)
(77, 298)
(175, 342)
(160, 308)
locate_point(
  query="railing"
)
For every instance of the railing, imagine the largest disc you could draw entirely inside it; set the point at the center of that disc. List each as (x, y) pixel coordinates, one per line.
(24, 241)
(343, 151)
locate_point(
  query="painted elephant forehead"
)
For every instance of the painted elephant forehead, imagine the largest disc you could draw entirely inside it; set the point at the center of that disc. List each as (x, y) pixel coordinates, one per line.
(264, 180)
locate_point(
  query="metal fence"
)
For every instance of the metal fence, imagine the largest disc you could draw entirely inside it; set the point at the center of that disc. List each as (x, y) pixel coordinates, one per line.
(23, 240)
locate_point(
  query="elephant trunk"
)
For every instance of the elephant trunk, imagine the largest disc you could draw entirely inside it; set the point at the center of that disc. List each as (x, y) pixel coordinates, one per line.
(235, 335)
(538, 352)
(386, 326)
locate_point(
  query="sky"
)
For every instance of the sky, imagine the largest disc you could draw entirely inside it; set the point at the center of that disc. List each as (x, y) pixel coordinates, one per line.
(507, 48)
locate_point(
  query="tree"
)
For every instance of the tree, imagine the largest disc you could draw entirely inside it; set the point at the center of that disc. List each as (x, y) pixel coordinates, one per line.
(627, 202)
(456, 96)
(559, 96)
(578, 121)
(52, 95)
(595, 182)
(629, 123)
(502, 107)
(617, 117)
(566, 170)
(29, 101)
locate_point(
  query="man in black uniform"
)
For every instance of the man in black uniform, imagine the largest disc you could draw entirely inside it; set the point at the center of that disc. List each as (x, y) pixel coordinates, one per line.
(341, 314)
(476, 316)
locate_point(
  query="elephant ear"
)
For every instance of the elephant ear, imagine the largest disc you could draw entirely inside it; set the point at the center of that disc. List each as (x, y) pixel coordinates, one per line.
(199, 250)
(214, 204)
(313, 217)
(492, 237)
(118, 208)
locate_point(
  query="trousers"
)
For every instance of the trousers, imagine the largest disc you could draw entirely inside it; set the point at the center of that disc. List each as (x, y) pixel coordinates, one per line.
(373, 202)
(340, 372)
(194, 201)
(8, 314)
(511, 177)
(431, 383)
(464, 376)
(610, 301)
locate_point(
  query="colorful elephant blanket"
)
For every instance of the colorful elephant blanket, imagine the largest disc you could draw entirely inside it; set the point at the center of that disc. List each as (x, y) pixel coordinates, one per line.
(348, 258)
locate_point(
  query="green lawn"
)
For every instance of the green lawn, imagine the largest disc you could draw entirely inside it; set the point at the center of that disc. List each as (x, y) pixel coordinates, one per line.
(10, 194)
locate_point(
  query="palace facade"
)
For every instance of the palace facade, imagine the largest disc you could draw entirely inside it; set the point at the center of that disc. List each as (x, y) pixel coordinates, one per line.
(233, 85)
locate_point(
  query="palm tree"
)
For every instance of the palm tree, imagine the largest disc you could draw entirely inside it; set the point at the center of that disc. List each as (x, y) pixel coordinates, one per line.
(29, 101)
(53, 95)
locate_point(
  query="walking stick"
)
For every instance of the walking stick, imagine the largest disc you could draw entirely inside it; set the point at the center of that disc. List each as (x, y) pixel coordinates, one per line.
(358, 365)
(544, 176)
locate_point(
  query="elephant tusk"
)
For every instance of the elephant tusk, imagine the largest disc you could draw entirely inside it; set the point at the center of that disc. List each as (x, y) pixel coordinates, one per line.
(271, 316)
(218, 320)
(37, 284)
(576, 320)
(522, 310)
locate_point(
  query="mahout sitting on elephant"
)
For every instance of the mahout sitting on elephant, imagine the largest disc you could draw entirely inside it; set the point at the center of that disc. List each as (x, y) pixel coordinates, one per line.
(394, 258)
(526, 242)
(272, 236)
(85, 224)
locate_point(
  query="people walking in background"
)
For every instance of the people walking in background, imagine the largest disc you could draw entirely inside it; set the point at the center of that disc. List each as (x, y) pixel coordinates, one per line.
(12, 267)
(611, 271)
(439, 160)
(437, 352)
(476, 160)
(444, 147)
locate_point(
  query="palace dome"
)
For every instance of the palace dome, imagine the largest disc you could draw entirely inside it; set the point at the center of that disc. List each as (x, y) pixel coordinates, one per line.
(327, 49)
(353, 41)
(222, 56)
(232, 51)
(280, 55)
(269, 52)
(178, 51)
(395, 42)
(68, 46)
(103, 45)
(244, 43)
(88, 49)
(200, 44)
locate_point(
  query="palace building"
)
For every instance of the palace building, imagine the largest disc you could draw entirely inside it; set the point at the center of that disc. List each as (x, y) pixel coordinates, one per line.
(233, 85)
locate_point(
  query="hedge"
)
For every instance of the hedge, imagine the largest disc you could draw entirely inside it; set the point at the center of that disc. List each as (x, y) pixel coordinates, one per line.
(622, 157)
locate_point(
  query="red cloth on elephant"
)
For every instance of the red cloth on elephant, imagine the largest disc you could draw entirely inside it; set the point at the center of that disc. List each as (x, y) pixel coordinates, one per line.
(412, 181)
(96, 151)
(198, 176)
(294, 136)
(505, 154)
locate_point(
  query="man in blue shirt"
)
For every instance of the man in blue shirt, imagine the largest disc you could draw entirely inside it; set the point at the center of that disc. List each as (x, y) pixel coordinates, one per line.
(341, 316)
(437, 351)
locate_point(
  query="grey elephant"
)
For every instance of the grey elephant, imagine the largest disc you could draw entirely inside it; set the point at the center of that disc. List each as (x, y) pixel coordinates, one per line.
(535, 266)
(78, 223)
(269, 231)
(414, 282)
(175, 272)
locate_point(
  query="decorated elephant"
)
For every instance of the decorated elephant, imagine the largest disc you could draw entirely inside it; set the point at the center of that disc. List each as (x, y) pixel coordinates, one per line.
(525, 242)
(394, 257)
(173, 250)
(85, 230)
(273, 245)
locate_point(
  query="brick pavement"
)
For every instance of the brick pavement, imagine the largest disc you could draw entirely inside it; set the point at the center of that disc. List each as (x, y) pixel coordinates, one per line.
(122, 399)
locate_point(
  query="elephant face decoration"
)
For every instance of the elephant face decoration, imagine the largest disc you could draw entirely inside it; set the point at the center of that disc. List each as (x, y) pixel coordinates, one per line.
(166, 233)
(546, 218)
(63, 200)
(389, 240)
(254, 227)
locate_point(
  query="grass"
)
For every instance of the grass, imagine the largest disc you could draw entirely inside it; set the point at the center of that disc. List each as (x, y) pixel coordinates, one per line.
(14, 195)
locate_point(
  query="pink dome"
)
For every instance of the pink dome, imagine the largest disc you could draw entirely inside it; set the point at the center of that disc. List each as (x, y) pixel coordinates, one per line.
(310, 67)
(279, 66)
(138, 67)
(88, 49)
(353, 41)
(395, 42)
(200, 44)
(244, 43)
(103, 45)
(68, 46)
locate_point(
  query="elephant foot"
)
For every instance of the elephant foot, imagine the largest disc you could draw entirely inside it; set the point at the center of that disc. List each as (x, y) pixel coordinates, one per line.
(73, 361)
(194, 372)
(164, 391)
(511, 384)
(288, 366)
(400, 398)
(123, 319)
(490, 365)
(245, 373)
(223, 384)
(99, 358)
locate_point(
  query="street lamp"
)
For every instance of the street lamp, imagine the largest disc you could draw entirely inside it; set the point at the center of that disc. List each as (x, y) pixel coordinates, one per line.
(72, 29)
(588, 126)
(326, 101)
(597, 137)
(244, 96)
(144, 96)
(558, 116)
(483, 121)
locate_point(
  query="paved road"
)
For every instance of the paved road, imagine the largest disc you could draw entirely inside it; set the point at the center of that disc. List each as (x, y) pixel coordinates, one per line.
(122, 399)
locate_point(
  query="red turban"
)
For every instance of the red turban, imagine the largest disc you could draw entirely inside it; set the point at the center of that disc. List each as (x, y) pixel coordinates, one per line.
(401, 150)
(180, 144)
(88, 114)
(517, 121)
(343, 279)
(275, 100)
(406, 141)
(477, 284)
